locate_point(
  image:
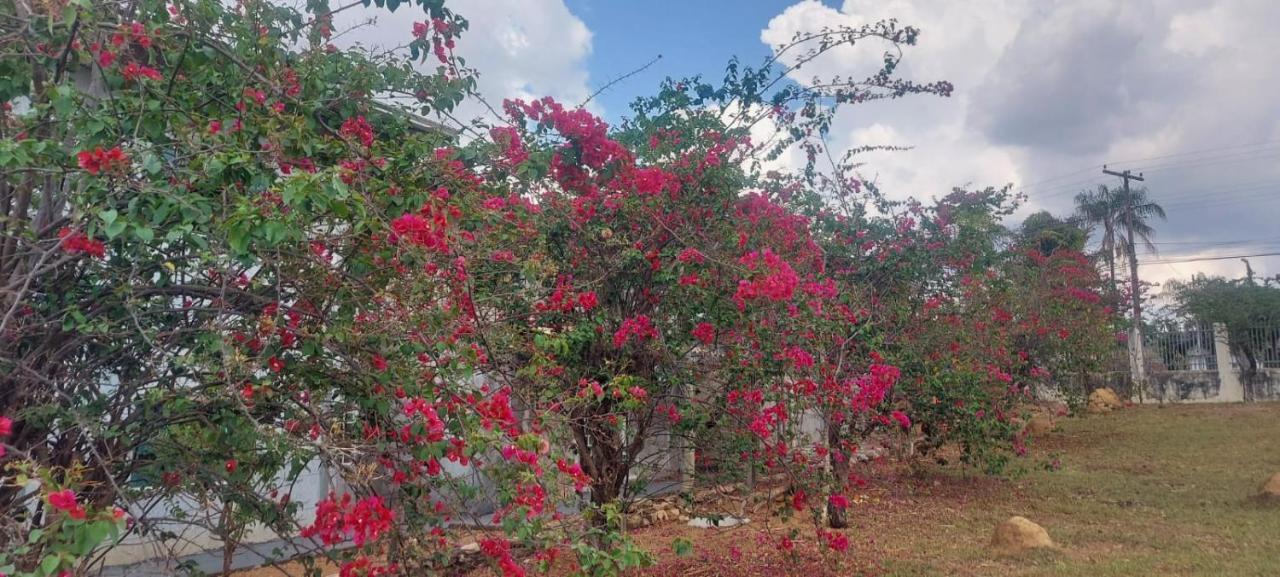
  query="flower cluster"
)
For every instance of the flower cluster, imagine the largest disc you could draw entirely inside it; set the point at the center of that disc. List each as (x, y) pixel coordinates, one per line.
(98, 160)
(76, 242)
(638, 326)
(775, 279)
(65, 501)
(6, 429)
(339, 519)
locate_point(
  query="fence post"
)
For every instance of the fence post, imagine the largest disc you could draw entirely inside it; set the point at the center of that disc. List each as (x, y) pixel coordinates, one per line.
(1229, 388)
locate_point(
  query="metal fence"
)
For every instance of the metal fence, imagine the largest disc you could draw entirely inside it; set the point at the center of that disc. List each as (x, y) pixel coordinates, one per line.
(1190, 348)
(1264, 340)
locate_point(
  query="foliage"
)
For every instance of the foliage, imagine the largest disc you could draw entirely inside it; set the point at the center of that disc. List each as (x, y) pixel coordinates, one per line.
(233, 253)
(1240, 305)
(1047, 234)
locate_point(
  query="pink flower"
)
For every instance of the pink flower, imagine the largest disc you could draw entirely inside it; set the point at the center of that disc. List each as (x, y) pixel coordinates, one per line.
(704, 332)
(903, 420)
(690, 255)
(6, 426)
(588, 300)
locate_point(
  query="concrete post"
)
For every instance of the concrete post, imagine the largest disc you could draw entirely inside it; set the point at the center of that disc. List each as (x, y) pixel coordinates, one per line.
(1229, 388)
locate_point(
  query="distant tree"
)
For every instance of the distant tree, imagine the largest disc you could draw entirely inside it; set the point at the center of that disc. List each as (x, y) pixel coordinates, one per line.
(1048, 233)
(1124, 218)
(1097, 209)
(1240, 304)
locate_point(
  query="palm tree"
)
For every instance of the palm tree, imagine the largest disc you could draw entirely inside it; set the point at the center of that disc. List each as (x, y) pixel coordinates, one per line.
(1135, 210)
(1123, 215)
(1098, 209)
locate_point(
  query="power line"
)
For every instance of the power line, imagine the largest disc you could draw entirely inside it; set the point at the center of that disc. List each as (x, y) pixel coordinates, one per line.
(1224, 159)
(1220, 242)
(1259, 197)
(1191, 159)
(1195, 152)
(1198, 259)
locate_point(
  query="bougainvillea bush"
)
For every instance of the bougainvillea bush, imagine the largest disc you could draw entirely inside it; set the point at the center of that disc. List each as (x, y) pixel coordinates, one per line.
(233, 253)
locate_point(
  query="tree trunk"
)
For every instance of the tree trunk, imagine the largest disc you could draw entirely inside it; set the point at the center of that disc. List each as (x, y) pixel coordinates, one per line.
(837, 517)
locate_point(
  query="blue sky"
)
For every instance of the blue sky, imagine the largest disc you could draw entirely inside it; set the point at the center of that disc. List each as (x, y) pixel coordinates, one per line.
(693, 37)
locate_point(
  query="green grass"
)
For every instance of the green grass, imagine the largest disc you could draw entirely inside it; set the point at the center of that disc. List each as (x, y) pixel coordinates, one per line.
(1145, 491)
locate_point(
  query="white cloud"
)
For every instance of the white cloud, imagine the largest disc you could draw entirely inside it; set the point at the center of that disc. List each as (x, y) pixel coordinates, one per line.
(522, 48)
(1050, 87)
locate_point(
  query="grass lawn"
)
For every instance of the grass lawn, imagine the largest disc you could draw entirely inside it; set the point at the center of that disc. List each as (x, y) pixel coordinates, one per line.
(1144, 491)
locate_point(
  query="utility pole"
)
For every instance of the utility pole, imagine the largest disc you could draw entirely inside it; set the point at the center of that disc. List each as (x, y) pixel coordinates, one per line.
(1137, 360)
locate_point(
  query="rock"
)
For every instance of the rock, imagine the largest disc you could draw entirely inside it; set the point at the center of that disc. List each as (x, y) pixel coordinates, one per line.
(1103, 400)
(1018, 534)
(1271, 489)
(1039, 425)
(707, 523)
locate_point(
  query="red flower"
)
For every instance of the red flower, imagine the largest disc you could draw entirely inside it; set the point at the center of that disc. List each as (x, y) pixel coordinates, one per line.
(65, 500)
(6, 426)
(426, 228)
(704, 332)
(835, 541)
(276, 365)
(798, 500)
(99, 160)
(134, 71)
(215, 126)
(903, 420)
(75, 242)
(231, 465)
(638, 326)
(588, 300)
(839, 501)
(379, 363)
(364, 522)
(357, 127)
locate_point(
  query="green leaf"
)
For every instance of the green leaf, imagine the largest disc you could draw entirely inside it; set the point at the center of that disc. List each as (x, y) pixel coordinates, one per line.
(50, 564)
(144, 234)
(238, 237)
(115, 228)
(682, 546)
(151, 164)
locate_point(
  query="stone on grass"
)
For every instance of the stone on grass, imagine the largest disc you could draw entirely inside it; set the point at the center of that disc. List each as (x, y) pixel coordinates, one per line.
(1039, 425)
(1270, 490)
(1104, 400)
(1017, 534)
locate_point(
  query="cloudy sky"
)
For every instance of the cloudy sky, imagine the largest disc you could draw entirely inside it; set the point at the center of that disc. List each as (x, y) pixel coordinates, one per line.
(1047, 91)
